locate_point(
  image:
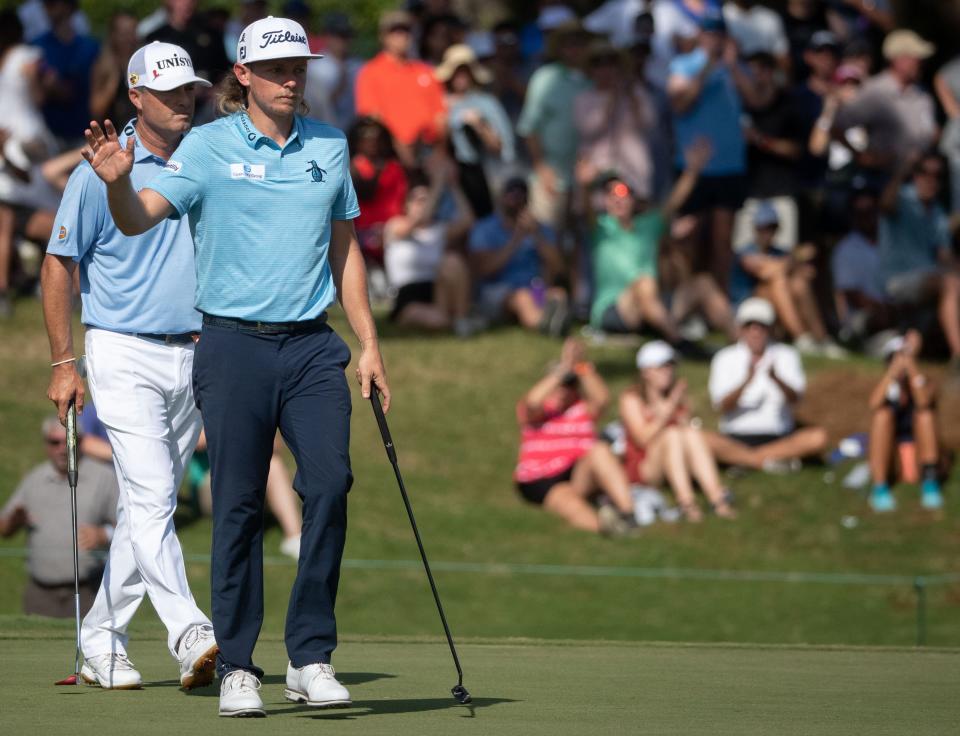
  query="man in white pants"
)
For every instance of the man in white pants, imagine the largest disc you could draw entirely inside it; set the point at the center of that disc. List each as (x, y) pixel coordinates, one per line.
(137, 295)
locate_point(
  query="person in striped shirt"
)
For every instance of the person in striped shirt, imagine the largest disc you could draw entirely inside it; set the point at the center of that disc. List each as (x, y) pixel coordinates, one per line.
(562, 464)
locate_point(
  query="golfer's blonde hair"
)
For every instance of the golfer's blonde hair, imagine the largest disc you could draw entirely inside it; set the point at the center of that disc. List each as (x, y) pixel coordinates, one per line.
(232, 96)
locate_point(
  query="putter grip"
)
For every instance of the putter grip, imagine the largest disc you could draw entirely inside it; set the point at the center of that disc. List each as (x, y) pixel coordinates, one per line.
(382, 424)
(72, 444)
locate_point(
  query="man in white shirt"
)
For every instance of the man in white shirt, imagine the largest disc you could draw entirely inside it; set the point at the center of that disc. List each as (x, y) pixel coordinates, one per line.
(755, 383)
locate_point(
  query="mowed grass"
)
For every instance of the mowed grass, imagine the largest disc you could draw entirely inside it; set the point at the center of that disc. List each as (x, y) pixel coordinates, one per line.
(455, 432)
(525, 687)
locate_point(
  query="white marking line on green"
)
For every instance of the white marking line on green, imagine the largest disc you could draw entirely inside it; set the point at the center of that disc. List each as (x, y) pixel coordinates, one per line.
(653, 573)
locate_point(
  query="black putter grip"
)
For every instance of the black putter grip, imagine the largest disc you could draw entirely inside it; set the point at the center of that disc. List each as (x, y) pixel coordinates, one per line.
(382, 423)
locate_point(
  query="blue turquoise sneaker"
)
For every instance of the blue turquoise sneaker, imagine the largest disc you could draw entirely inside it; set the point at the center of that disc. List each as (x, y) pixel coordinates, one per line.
(930, 496)
(881, 500)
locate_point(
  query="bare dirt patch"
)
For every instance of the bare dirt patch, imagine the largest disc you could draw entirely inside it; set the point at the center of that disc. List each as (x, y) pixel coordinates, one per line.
(836, 399)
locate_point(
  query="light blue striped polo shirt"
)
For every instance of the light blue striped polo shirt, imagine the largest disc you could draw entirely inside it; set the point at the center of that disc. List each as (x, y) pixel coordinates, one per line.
(261, 215)
(143, 283)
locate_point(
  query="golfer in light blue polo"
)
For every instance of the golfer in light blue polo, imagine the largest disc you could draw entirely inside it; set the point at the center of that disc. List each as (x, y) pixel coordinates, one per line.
(270, 202)
(137, 295)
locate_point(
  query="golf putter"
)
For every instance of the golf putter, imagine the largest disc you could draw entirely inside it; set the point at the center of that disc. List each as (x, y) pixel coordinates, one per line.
(459, 691)
(72, 459)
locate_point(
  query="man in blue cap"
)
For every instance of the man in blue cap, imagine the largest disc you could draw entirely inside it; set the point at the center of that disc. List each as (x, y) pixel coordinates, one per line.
(137, 295)
(269, 198)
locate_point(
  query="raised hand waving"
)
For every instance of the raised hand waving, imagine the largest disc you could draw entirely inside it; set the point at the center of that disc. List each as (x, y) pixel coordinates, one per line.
(110, 161)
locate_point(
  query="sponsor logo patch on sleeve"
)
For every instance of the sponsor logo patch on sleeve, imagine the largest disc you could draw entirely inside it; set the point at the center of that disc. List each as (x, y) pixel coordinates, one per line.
(62, 233)
(173, 166)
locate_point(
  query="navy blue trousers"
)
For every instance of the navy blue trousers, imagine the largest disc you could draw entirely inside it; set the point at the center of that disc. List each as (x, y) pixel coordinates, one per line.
(248, 385)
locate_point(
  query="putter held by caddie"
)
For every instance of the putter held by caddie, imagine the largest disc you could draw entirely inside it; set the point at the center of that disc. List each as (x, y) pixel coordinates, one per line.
(458, 690)
(72, 459)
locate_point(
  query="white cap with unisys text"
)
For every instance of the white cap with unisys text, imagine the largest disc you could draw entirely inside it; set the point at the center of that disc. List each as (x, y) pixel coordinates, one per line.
(161, 66)
(273, 38)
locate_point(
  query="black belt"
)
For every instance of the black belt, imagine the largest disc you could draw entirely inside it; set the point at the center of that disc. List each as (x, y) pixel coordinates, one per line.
(265, 328)
(180, 338)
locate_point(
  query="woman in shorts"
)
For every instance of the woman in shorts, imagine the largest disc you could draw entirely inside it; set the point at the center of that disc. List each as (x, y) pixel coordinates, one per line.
(663, 441)
(562, 465)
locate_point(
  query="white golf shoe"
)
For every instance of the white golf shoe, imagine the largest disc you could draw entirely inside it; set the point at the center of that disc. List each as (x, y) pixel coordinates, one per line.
(315, 685)
(239, 697)
(111, 672)
(197, 653)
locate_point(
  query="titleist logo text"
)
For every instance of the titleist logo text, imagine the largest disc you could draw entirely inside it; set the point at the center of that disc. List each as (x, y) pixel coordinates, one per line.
(272, 37)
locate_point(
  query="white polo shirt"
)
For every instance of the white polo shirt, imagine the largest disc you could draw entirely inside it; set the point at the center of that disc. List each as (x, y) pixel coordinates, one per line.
(763, 408)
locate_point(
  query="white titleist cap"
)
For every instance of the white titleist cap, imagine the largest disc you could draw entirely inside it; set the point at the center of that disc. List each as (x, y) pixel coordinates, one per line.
(161, 66)
(756, 310)
(273, 38)
(655, 354)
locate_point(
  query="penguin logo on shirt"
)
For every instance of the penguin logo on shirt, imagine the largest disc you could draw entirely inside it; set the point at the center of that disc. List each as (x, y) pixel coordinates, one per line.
(316, 173)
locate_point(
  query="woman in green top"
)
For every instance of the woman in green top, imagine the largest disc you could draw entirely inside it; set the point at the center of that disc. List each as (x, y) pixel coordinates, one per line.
(625, 239)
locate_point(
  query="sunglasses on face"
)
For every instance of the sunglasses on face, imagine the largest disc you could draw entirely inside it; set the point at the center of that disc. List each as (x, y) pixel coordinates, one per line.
(54, 441)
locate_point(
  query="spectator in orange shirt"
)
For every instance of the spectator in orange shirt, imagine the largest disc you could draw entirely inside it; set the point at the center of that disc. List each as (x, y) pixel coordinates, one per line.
(401, 92)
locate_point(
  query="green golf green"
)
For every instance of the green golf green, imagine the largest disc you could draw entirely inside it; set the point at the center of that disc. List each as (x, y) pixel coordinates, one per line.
(401, 686)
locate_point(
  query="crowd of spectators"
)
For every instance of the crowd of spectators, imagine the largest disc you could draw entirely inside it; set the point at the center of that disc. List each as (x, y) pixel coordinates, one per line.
(654, 166)
(789, 150)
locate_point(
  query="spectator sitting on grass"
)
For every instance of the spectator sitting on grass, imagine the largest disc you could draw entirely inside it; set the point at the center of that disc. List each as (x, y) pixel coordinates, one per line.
(561, 463)
(855, 266)
(431, 278)
(917, 265)
(663, 440)
(41, 503)
(514, 258)
(783, 279)
(625, 246)
(904, 406)
(755, 384)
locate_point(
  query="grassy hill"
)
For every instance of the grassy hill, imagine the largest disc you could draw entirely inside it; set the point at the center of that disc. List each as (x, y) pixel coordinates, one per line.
(505, 569)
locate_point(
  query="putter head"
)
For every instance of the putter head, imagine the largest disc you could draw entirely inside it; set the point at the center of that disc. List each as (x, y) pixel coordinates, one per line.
(460, 694)
(71, 680)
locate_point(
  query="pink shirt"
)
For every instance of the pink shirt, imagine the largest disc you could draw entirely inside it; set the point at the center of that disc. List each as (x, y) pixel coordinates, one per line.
(556, 441)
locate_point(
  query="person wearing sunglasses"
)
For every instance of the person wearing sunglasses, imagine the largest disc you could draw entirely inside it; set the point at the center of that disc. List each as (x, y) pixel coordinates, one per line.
(41, 505)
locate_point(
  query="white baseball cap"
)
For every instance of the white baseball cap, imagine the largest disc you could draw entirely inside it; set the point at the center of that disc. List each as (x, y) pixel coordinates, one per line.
(757, 310)
(655, 354)
(892, 346)
(273, 38)
(161, 66)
